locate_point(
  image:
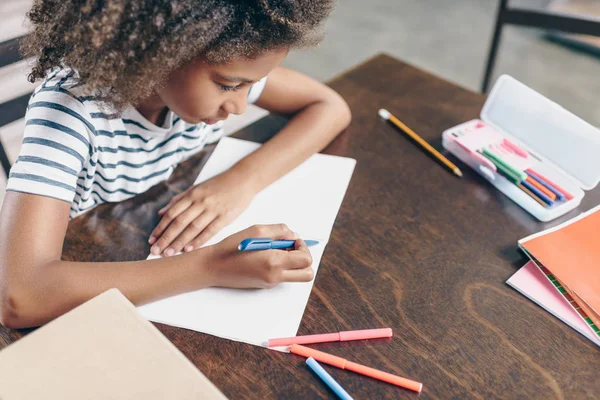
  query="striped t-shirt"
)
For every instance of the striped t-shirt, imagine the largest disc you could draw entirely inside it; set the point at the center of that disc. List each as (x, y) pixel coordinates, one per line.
(75, 151)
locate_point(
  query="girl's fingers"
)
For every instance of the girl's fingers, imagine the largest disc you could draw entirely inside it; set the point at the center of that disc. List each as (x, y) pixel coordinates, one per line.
(192, 231)
(171, 226)
(275, 232)
(299, 258)
(171, 202)
(209, 231)
(298, 275)
(173, 213)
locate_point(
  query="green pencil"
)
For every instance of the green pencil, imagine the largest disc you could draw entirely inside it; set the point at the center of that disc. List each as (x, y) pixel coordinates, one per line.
(521, 176)
(507, 173)
(512, 175)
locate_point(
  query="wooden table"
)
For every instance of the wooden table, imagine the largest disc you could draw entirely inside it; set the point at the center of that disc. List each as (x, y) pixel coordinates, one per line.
(413, 248)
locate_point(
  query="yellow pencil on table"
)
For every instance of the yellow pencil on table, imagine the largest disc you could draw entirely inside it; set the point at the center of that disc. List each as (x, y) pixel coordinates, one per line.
(385, 114)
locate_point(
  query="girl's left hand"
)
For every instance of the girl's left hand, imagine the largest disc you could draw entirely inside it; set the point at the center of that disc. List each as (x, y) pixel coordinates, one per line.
(191, 218)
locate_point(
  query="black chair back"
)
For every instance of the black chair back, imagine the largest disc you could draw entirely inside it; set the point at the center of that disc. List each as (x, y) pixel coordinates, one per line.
(12, 109)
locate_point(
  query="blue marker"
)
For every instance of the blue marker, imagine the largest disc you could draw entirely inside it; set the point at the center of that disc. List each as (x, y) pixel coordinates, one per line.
(548, 186)
(329, 381)
(538, 193)
(268, 244)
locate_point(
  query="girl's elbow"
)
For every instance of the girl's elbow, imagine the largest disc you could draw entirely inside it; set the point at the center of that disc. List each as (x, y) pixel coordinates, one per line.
(16, 305)
(11, 315)
(344, 115)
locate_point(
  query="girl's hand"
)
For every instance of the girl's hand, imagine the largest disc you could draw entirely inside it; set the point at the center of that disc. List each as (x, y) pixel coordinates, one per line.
(228, 267)
(194, 216)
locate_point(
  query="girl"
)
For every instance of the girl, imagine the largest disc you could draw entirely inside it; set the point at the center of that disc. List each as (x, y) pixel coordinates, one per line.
(131, 89)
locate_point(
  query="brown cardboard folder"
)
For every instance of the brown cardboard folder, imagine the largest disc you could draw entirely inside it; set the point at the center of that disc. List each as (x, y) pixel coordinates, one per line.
(103, 349)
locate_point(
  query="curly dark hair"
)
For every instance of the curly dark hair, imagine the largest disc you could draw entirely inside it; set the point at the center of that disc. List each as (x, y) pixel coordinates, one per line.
(131, 46)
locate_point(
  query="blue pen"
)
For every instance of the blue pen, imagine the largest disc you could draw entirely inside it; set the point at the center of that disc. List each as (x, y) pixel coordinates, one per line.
(538, 193)
(329, 381)
(268, 244)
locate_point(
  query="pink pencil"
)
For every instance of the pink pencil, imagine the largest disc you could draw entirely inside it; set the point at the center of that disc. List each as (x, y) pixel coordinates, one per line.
(515, 148)
(333, 337)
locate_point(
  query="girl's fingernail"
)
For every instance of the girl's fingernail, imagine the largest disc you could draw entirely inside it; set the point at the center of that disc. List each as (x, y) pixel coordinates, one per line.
(152, 240)
(189, 248)
(155, 250)
(169, 252)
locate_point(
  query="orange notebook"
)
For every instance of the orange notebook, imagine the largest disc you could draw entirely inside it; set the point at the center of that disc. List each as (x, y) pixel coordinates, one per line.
(571, 252)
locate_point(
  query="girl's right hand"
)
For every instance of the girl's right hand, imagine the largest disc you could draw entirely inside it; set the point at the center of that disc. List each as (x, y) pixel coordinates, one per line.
(226, 266)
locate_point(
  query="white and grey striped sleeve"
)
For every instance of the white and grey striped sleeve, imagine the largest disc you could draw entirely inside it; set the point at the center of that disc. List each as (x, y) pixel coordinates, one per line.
(56, 146)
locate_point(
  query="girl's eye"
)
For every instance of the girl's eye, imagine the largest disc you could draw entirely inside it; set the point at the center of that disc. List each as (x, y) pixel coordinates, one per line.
(228, 88)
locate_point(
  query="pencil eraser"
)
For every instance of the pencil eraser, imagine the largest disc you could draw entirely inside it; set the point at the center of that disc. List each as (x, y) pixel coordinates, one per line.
(385, 114)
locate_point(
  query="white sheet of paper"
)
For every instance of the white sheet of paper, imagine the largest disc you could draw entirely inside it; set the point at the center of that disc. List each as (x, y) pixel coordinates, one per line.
(307, 199)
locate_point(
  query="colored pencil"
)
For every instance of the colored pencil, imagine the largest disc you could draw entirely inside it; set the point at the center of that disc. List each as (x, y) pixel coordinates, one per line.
(328, 379)
(499, 160)
(552, 185)
(385, 114)
(533, 196)
(342, 363)
(514, 148)
(541, 188)
(507, 173)
(539, 194)
(559, 195)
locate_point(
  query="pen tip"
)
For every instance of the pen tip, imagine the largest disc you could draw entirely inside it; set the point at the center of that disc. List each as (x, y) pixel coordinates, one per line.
(383, 113)
(458, 172)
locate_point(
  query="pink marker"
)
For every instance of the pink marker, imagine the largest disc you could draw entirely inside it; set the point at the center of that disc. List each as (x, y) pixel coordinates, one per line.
(333, 337)
(515, 149)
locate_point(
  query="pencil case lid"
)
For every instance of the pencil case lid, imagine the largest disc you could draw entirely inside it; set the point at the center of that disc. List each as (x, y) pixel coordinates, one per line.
(547, 129)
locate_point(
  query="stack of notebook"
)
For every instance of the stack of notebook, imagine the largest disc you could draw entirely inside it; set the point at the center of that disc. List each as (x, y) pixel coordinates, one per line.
(564, 273)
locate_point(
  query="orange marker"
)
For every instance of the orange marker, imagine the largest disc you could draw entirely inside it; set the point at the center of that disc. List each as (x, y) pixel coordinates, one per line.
(358, 368)
(541, 188)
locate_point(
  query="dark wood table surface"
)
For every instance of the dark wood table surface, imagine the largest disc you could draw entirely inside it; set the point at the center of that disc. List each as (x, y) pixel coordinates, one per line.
(413, 248)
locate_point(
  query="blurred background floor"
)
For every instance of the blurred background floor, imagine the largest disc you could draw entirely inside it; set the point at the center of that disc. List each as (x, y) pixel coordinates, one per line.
(447, 38)
(451, 39)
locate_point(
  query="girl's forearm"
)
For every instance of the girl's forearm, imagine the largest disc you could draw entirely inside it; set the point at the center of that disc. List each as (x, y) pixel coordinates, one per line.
(59, 286)
(308, 132)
